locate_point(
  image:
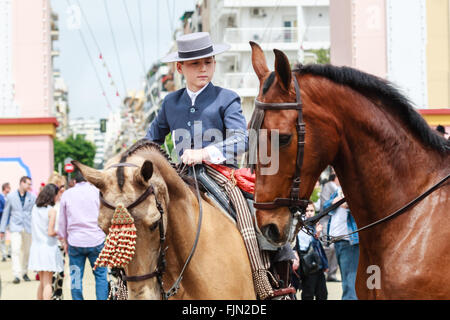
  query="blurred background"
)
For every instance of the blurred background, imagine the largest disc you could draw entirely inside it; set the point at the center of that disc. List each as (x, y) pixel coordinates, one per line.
(82, 79)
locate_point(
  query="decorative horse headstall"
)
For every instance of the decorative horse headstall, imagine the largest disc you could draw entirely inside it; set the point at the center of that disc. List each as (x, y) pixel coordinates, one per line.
(120, 243)
(121, 240)
(294, 203)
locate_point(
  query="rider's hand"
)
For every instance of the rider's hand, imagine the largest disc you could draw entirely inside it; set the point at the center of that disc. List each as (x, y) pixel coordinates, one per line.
(2, 235)
(194, 156)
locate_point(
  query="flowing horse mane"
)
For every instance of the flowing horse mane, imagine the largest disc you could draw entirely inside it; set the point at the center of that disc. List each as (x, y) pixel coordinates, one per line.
(376, 89)
(142, 145)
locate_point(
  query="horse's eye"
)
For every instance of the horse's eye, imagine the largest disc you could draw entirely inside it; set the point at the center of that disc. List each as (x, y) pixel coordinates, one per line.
(285, 139)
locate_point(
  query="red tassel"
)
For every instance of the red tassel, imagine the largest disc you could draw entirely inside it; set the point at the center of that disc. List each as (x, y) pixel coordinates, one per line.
(120, 244)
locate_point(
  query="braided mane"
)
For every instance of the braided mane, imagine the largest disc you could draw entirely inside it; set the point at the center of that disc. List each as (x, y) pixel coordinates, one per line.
(143, 144)
(138, 146)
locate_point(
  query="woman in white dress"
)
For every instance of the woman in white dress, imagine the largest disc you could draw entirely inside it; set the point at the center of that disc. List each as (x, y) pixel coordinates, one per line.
(45, 256)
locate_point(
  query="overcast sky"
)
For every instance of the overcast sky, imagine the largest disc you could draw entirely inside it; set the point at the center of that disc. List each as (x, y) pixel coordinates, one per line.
(86, 97)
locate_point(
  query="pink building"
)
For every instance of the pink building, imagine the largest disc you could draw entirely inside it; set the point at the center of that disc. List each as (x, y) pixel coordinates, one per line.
(404, 41)
(27, 123)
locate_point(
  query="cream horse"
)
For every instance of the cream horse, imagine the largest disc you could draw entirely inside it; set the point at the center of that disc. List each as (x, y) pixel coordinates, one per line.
(220, 267)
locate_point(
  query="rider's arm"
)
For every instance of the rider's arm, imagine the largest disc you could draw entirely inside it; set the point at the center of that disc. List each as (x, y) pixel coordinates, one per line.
(236, 140)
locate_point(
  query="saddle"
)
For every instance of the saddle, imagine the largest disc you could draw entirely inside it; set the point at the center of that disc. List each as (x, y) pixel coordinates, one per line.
(241, 177)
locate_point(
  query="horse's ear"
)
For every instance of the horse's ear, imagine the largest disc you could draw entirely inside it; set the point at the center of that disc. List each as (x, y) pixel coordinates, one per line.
(92, 175)
(259, 60)
(147, 170)
(283, 69)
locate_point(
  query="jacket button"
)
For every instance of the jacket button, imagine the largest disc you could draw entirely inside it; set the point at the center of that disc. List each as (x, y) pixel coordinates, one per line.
(192, 110)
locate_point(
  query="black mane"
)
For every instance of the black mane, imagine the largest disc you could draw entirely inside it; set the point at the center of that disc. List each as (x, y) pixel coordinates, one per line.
(376, 88)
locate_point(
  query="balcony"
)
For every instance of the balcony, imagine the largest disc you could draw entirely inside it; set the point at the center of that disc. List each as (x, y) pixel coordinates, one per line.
(316, 37)
(282, 38)
(245, 84)
(54, 34)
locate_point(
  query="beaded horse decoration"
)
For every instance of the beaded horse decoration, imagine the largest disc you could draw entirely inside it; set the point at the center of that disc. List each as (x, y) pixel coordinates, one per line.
(120, 244)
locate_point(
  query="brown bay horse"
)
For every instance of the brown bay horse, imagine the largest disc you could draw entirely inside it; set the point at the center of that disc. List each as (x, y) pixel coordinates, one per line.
(384, 155)
(220, 267)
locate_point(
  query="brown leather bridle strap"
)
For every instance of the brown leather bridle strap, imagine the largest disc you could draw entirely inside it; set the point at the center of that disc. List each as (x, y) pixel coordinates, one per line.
(395, 213)
(280, 202)
(135, 203)
(122, 164)
(293, 202)
(139, 278)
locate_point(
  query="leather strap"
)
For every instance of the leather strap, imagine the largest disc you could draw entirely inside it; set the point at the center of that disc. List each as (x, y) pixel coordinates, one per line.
(293, 202)
(315, 219)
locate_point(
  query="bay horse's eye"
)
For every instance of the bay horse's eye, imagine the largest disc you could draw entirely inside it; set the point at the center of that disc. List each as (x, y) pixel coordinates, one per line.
(285, 139)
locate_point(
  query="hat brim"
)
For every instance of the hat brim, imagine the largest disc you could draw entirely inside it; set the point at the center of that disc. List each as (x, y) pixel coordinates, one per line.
(217, 49)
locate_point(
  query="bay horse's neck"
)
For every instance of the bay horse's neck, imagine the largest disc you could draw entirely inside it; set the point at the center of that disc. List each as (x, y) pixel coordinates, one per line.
(378, 155)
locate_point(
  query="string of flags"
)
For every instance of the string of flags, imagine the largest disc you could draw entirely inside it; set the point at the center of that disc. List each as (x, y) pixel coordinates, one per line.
(111, 80)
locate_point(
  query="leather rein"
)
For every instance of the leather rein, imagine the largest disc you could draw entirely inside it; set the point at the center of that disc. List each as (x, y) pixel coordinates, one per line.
(161, 264)
(326, 238)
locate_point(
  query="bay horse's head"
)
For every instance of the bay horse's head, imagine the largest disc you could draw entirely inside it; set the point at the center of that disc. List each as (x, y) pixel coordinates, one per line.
(133, 179)
(278, 87)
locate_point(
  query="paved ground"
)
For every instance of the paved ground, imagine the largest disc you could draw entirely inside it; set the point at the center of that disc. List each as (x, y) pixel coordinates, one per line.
(28, 290)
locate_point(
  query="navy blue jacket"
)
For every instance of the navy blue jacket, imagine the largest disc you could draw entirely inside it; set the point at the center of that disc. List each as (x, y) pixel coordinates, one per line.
(215, 119)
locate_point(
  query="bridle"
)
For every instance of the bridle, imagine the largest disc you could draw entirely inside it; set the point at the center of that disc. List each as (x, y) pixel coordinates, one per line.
(161, 263)
(294, 203)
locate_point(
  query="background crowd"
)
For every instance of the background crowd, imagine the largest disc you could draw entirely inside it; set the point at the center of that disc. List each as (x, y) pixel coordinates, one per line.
(59, 222)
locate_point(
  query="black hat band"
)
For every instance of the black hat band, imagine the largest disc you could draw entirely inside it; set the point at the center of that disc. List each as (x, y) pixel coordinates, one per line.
(197, 53)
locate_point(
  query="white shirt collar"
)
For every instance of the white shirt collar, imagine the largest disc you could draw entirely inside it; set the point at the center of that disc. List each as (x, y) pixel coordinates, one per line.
(194, 95)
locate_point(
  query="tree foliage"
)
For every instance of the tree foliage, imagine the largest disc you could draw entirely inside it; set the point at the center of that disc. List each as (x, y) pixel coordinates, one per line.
(323, 55)
(77, 148)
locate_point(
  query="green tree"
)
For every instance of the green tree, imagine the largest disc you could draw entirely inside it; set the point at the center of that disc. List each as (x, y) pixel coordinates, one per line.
(323, 55)
(77, 148)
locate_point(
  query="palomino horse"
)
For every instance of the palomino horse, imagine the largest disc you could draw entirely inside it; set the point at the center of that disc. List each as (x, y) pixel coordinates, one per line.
(220, 267)
(384, 155)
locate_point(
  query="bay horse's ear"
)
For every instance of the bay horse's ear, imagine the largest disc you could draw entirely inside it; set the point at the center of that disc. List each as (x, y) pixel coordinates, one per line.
(147, 170)
(282, 69)
(258, 60)
(92, 175)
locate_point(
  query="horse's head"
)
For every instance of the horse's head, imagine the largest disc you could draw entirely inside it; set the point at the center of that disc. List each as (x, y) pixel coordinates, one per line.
(276, 223)
(129, 185)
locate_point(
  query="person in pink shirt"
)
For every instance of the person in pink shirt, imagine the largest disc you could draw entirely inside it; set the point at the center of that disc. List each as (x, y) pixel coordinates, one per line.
(81, 236)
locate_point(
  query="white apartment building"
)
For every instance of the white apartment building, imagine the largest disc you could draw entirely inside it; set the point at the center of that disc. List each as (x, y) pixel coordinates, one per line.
(293, 26)
(90, 128)
(61, 105)
(112, 135)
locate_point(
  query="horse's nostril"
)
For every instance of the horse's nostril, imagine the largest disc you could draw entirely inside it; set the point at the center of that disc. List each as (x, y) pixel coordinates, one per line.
(271, 232)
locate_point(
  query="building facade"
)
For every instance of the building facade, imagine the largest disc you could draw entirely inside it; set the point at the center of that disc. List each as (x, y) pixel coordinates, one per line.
(297, 27)
(404, 41)
(27, 122)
